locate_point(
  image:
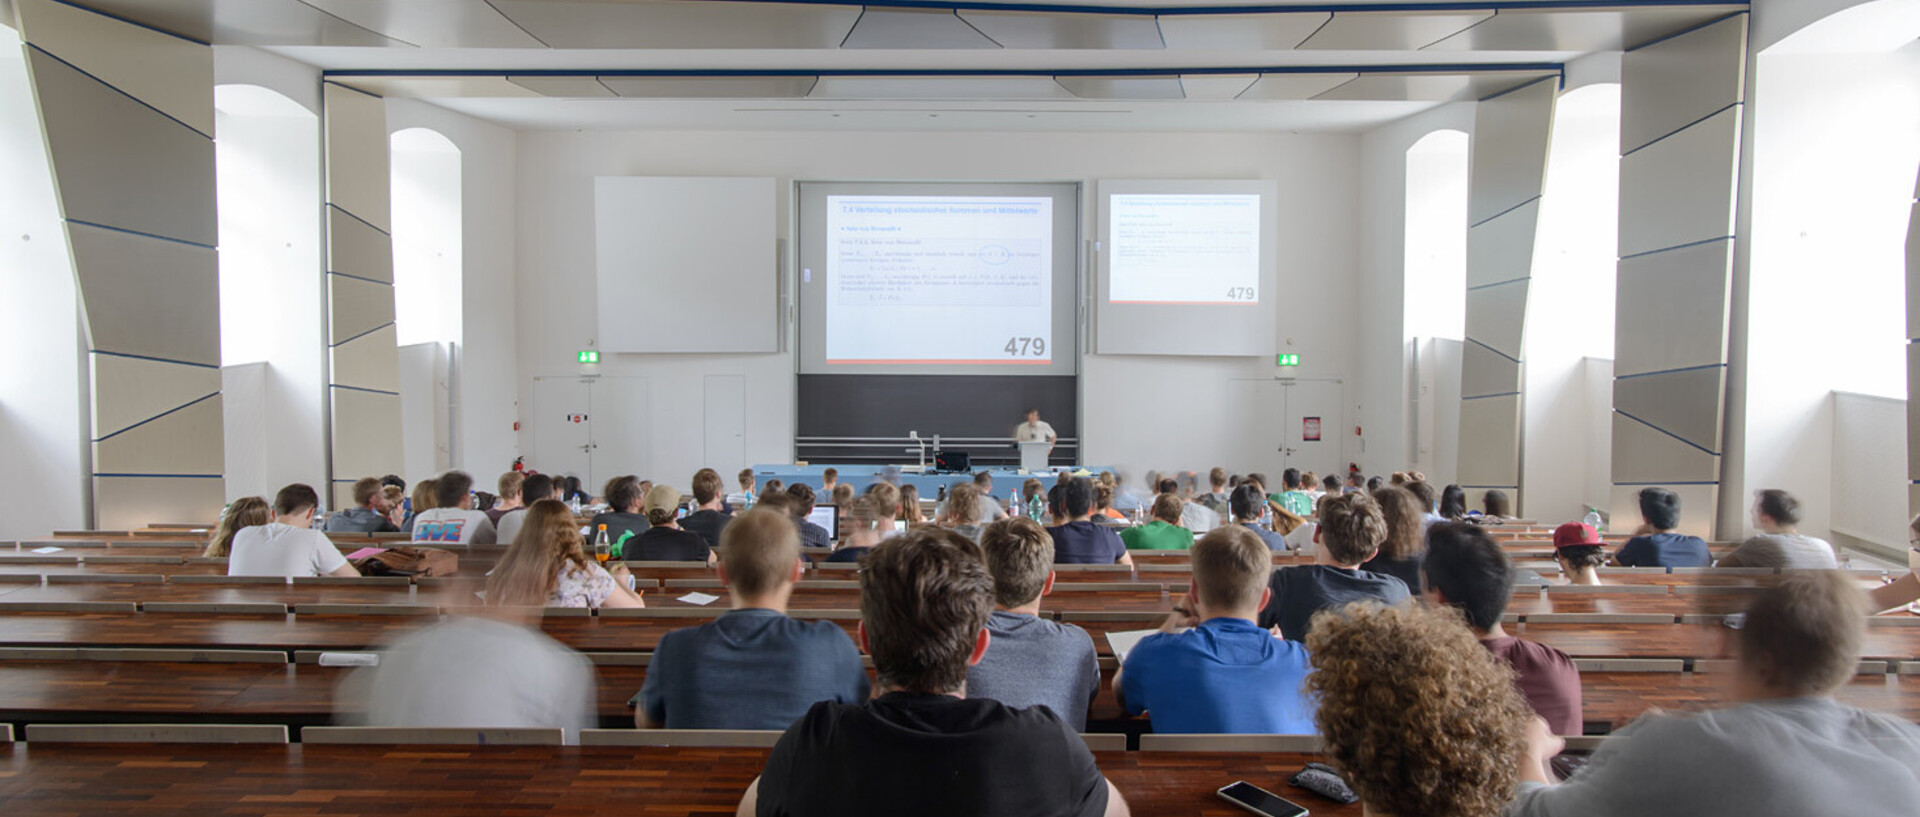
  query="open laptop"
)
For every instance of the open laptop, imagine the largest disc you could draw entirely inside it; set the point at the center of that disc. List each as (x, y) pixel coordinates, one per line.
(828, 517)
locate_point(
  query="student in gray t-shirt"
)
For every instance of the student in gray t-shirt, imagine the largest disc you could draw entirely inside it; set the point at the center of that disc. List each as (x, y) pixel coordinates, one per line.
(1787, 748)
(1031, 661)
(1779, 544)
(754, 667)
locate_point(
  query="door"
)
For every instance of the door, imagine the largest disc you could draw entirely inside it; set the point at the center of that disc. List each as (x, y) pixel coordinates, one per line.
(726, 424)
(1312, 430)
(562, 437)
(620, 430)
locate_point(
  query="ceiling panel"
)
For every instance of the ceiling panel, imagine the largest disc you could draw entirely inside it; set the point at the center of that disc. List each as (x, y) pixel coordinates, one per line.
(1295, 86)
(1432, 87)
(1391, 30)
(1216, 86)
(711, 87)
(1167, 87)
(585, 24)
(1550, 30)
(432, 23)
(1019, 29)
(914, 28)
(564, 87)
(244, 22)
(435, 87)
(981, 88)
(1264, 32)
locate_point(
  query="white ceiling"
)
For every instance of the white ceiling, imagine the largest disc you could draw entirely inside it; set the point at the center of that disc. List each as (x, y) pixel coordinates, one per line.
(1326, 65)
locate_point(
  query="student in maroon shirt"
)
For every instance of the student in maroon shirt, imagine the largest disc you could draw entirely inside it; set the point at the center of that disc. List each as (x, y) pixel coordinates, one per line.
(1466, 569)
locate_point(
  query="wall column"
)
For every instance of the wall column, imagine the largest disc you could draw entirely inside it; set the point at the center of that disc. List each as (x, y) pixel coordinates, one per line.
(1913, 360)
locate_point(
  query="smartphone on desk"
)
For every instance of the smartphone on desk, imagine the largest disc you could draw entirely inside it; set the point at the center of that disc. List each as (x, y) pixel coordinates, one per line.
(1260, 801)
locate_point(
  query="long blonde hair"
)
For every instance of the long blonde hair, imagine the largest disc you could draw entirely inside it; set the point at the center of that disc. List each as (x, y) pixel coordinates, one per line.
(245, 512)
(547, 544)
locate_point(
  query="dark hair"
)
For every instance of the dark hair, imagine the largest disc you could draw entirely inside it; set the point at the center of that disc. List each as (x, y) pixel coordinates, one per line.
(1582, 556)
(1779, 506)
(1425, 492)
(456, 484)
(394, 480)
(1496, 504)
(1374, 483)
(1057, 499)
(1077, 499)
(1356, 479)
(1259, 479)
(1453, 503)
(1246, 502)
(1660, 507)
(1470, 570)
(294, 499)
(1019, 554)
(1330, 482)
(803, 495)
(1167, 485)
(536, 488)
(925, 595)
(623, 493)
(1290, 479)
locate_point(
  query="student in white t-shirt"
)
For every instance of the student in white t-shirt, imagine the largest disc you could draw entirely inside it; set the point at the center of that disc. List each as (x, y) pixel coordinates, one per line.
(288, 546)
(455, 522)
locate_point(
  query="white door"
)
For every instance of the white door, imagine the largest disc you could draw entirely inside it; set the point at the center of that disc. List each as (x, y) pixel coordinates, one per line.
(622, 414)
(1312, 431)
(561, 435)
(1259, 407)
(726, 424)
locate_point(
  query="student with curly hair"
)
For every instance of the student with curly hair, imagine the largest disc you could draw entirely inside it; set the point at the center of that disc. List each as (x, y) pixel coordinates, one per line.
(1417, 716)
(1350, 532)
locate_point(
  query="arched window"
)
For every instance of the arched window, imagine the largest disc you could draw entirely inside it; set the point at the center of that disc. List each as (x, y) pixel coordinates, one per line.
(426, 237)
(1434, 309)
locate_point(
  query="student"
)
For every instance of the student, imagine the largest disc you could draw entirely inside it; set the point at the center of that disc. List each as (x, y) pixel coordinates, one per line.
(1211, 669)
(1103, 509)
(1898, 593)
(510, 498)
(1779, 544)
(1246, 505)
(830, 481)
(1785, 747)
(1350, 532)
(1079, 540)
(368, 514)
(1291, 497)
(859, 530)
(1453, 503)
(452, 521)
(753, 667)
(288, 546)
(1406, 542)
(548, 566)
(1034, 661)
(1467, 570)
(1580, 552)
(709, 515)
(961, 514)
(243, 513)
(625, 516)
(1164, 532)
(426, 495)
(396, 498)
(910, 513)
(1657, 545)
(922, 745)
(990, 510)
(663, 540)
(886, 507)
(532, 490)
(1356, 482)
(1417, 719)
(811, 535)
(1216, 498)
(745, 497)
(1499, 509)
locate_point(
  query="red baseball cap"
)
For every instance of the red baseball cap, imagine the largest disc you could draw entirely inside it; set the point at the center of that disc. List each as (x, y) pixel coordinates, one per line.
(1576, 534)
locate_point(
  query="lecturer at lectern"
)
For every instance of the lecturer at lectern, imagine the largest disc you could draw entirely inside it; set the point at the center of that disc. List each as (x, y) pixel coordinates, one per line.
(1035, 430)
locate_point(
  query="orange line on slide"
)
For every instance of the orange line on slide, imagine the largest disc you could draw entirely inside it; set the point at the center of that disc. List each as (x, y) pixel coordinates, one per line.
(1191, 303)
(945, 362)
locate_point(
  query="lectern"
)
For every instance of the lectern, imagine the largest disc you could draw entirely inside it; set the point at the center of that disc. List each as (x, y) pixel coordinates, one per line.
(1033, 455)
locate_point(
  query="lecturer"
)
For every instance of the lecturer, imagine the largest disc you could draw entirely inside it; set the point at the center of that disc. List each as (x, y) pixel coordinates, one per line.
(1035, 430)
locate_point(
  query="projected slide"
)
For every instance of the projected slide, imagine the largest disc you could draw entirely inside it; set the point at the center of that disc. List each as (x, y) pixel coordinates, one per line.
(1184, 249)
(938, 279)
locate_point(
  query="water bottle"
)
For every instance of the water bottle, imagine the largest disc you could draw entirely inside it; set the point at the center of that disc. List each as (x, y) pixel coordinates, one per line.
(602, 546)
(1593, 520)
(1014, 507)
(941, 494)
(1037, 508)
(749, 503)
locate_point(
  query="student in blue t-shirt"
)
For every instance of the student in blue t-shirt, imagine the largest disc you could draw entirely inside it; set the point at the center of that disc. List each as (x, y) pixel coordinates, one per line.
(1226, 674)
(754, 667)
(1659, 546)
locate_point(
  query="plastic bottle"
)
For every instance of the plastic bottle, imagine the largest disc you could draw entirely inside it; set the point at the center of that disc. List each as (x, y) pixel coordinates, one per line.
(1593, 520)
(1037, 508)
(602, 546)
(1014, 508)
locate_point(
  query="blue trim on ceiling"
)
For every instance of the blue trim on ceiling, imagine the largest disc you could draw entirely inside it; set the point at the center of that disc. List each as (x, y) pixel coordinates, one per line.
(1702, 448)
(1210, 70)
(359, 336)
(1530, 200)
(349, 214)
(361, 278)
(1493, 350)
(154, 359)
(1656, 140)
(1672, 371)
(182, 407)
(361, 388)
(160, 476)
(116, 89)
(114, 229)
(1202, 11)
(135, 23)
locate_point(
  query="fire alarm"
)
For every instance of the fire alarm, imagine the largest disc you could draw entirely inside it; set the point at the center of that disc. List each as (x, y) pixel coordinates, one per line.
(516, 425)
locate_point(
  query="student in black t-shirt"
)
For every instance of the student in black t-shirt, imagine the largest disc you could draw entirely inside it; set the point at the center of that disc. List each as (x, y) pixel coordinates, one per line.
(664, 540)
(710, 517)
(625, 517)
(922, 747)
(1350, 532)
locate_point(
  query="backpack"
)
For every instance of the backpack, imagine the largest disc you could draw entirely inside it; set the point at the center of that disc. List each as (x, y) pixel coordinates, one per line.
(409, 561)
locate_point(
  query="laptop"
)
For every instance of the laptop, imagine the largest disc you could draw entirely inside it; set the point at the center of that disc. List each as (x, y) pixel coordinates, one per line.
(828, 517)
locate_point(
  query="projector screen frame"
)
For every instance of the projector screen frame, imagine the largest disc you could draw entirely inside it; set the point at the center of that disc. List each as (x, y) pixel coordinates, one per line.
(1196, 329)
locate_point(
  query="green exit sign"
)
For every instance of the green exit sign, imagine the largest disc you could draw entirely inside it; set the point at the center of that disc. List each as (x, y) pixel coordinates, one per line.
(1286, 360)
(589, 356)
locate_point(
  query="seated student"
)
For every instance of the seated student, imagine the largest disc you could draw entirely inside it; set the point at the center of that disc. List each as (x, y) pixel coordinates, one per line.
(663, 540)
(886, 509)
(1580, 553)
(1216, 498)
(1350, 532)
(1657, 545)
(396, 498)
(368, 514)
(1078, 540)
(859, 530)
(753, 667)
(1898, 593)
(1164, 532)
(625, 516)
(1103, 510)
(1356, 482)
(961, 514)
(532, 490)
(288, 546)
(1417, 719)
(1300, 538)
(990, 510)
(709, 516)
(1246, 505)
(453, 521)
(569, 490)
(1291, 497)
(1125, 500)
(1056, 497)
(772, 485)
(1499, 509)
(242, 513)
(1329, 484)
(1453, 503)
(744, 498)
(1406, 542)
(1033, 661)
(548, 566)
(510, 498)
(910, 512)
(1785, 747)
(841, 494)
(922, 746)
(426, 496)
(1779, 544)
(1429, 498)
(1211, 668)
(1467, 570)
(811, 535)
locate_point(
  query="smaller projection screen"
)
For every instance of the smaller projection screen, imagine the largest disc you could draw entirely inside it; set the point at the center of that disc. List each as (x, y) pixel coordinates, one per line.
(1187, 268)
(686, 265)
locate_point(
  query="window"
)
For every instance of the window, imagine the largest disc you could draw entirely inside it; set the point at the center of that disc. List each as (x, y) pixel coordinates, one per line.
(426, 238)
(1436, 248)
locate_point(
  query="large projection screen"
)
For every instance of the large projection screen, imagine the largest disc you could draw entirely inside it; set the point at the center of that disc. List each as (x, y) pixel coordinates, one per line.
(686, 265)
(976, 278)
(1187, 268)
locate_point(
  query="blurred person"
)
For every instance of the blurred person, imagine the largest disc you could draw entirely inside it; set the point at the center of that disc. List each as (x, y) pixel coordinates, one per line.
(1216, 498)
(859, 530)
(962, 512)
(1078, 540)
(830, 481)
(1497, 506)
(1453, 503)
(709, 516)
(425, 498)
(744, 498)
(625, 516)
(1780, 544)
(910, 513)
(811, 535)
(510, 499)
(1656, 544)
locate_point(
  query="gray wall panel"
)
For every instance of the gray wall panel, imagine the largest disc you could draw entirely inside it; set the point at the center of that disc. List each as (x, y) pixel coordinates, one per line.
(1496, 316)
(1671, 309)
(186, 441)
(148, 296)
(130, 390)
(1501, 249)
(1484, 372)
(1510, 134)
(358, 180)
(161, 70)
(358, 307)
(366, 433)
(1687, 404)
(355, 248)
(1667, 85)
(1490, 426)
(1679, 190)
(128, 503)
(371, 361)
(1913, 414)
(1643, 454)
(363, 362)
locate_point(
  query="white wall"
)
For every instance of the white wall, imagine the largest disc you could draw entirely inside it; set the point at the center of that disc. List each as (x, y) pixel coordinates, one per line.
(1138, 413)
(1869, 466)
(42, 429)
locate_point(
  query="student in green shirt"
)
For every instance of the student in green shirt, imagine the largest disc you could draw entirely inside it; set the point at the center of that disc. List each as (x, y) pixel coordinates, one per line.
(1296, 501)
(1164, 532)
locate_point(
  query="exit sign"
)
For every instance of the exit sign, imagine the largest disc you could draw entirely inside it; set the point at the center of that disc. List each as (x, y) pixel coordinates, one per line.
(1286, 360)
(589, 356)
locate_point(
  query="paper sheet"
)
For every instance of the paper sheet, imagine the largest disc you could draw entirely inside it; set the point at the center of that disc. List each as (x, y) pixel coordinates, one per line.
(701, 599)
(1123, 641)
(48, 550)
(349, 659)
(364, 553)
